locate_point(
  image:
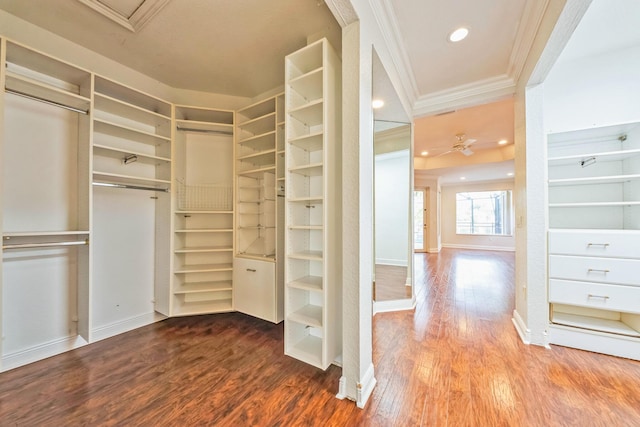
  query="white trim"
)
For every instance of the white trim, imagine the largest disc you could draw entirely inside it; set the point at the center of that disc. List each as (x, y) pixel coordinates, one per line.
(527, 30)
(365, 387)
(343, 11)
(393, 262)
(138, 19)
(342, 388)
(393, 305)
(434, 250)
(41, 351)
(125, 325)
(467, 95)
(594, 341)
(521, 328)
(480, 247)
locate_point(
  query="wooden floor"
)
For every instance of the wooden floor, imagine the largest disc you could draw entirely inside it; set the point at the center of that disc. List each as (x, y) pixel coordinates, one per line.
(390, 283)
(455, 360)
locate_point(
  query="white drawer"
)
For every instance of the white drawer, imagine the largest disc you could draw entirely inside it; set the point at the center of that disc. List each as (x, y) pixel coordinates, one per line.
(595, 295)
(600, 243)
(254, 291)
(592, 269)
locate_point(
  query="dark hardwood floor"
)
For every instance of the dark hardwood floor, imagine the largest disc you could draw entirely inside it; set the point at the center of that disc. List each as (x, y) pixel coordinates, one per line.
(455, 360)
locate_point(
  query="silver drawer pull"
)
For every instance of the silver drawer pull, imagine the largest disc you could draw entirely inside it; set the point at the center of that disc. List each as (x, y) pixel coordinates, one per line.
(597, 296)
(596, 270)
(253, 270)
(598, 244)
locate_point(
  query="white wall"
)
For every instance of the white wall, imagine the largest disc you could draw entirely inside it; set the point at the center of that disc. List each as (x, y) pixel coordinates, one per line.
(392, 188)
(452, 240)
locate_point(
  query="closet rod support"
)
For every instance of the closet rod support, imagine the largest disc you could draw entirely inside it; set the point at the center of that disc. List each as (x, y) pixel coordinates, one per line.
(132, 187)
(45, 245)
(221, 132)
(46, 101)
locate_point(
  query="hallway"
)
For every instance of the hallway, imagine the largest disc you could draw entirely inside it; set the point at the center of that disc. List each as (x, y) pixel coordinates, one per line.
(454, 361)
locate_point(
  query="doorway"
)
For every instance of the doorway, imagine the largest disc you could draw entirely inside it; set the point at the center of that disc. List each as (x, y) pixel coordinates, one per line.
(420, 220)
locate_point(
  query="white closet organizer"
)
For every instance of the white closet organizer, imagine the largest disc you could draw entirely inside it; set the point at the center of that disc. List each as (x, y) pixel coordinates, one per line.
(313, 205)
(45, 191)
(257, 290)
(594, 239)
(130, 228)
(203, 234)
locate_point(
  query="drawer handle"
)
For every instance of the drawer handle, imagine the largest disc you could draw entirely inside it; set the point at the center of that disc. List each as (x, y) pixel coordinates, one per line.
(596, 270)
(598, 296)
(598, 244)
(253, 270)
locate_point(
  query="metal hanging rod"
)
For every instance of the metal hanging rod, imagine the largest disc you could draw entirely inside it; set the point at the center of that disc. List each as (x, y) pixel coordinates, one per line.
(132, 187)
(221, 132)
(46, 101)
(45, 245)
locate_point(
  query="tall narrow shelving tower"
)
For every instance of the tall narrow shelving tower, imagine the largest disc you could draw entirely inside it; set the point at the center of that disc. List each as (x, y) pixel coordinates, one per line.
(313, 256)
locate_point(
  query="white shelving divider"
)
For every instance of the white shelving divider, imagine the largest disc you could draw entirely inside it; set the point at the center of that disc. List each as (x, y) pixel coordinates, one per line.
(44, 208)
(594, 239)
(259, 127)
(203, 215)
(313, 288)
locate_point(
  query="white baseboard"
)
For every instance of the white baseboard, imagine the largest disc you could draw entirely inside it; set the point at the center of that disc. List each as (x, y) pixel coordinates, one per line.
(434, 250)
(365, 387)
(480, 247)
(521, 327)
(394, 262)
(42, 351)
(342, 388)
(125, 325)
(393, 305)
(594, 341)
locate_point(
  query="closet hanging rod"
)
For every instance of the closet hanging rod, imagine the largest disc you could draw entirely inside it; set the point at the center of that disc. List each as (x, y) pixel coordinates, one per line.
(132, 187)
(45, 245)
(221, 132)
(46, 101)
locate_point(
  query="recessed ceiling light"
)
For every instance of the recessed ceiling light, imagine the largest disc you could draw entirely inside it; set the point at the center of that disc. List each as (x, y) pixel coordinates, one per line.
(424, 153)
(510, 174)
(458, 34)
(462, 178)
(377, 103)
(502, 142)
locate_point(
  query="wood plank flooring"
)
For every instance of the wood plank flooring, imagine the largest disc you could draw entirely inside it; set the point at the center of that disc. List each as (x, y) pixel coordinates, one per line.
(455, 360)
(390, 283)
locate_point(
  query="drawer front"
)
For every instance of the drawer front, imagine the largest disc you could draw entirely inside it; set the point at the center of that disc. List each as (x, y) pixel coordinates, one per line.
(254, 290)
(591, 269)
(598, 243)
(595, 295)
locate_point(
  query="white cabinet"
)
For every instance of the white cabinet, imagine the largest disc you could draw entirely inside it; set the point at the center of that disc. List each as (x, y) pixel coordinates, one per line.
(254, 292)
(44, 205)
(203, 218)
(313, 307)
(594, 239)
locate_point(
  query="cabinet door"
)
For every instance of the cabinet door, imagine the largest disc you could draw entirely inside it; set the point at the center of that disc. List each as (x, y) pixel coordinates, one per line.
(254, 289)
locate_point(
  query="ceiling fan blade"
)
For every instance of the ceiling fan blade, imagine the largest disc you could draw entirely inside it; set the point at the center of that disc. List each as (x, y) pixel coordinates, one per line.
(466, 152)
(468, 142)
(446, 152)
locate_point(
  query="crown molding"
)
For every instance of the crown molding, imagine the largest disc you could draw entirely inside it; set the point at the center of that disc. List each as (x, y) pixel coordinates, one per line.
(388, 24)
(467, 95)
(343, 11)
(527, 30)
(143, 14)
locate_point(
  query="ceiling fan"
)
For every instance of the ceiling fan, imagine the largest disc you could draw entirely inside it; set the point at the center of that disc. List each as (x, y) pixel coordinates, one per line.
(461, 145)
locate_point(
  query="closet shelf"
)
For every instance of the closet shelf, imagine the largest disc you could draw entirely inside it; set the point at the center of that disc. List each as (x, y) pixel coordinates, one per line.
(608, 156)
(310, 114)
(205, 230)
(306, 227)
(256, 122)
(307, 283)
(203, 249)
(256, 172)
(614, 179)
(593, 204)
(203, 268)
(105, 103)
(255, 110)
(307, 255)
(260, 157)
(308, 350)
(186, 125)
(256, 227)
(594, 324)
(199, 287)
(259, 142)
(310, 200)
(257, 256)
(127, 179)
(181, 212)
(117, 153)
(9, 234)
(309, 86)
(309, 315)
(28, 86)
(309, 142)
(133, 97)
(125, 132)
(314, 169)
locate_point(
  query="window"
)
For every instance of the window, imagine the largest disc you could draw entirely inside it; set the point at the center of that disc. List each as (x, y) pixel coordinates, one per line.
(484, 212)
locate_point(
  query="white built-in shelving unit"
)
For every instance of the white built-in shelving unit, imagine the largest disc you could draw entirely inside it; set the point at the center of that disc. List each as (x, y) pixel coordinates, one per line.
(258, 155)
(45, 113)
(204, 216)
(594, 239)
(313, 205)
